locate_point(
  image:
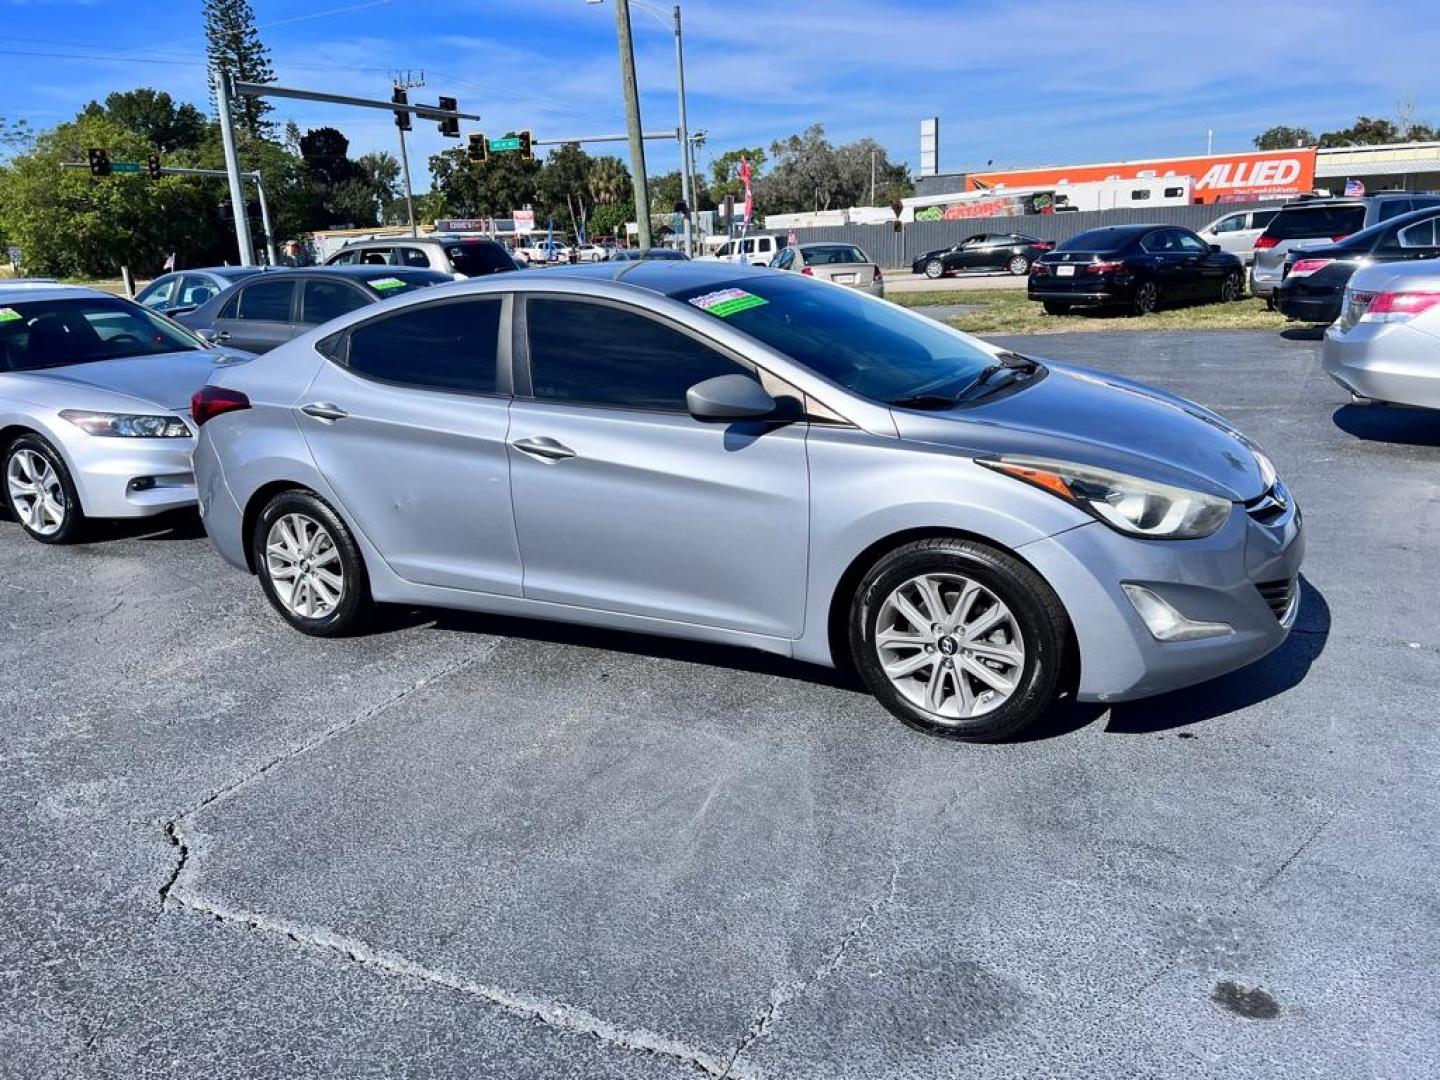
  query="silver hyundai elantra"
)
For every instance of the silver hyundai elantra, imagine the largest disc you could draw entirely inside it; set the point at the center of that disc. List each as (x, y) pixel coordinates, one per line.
(94, 400)
(745, 456)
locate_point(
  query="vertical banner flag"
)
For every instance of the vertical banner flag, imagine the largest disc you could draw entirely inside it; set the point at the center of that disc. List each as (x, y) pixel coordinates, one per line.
(745, 175)
(170, 263)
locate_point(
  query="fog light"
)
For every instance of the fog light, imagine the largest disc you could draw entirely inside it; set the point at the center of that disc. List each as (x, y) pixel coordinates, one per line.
(142, 483)
(1165, 623)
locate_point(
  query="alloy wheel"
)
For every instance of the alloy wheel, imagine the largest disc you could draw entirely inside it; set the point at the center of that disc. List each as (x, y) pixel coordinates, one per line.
(36, 492)
(304, 565)
(1019, 265)
(934, 268)
(1230, 290)
(1147, 298)
(950, 646)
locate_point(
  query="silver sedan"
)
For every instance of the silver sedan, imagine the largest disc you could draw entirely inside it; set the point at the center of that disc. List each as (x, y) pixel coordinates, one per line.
(94, 406)
(736, 455)
(1386, 344)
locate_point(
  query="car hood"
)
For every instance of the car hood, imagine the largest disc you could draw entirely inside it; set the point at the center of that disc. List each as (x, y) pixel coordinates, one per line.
(166, 379)
(1093, 418)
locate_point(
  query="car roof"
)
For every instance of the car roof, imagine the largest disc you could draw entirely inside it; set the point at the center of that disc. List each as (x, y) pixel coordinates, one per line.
(664, 276)
(22, 289)
(354, 271)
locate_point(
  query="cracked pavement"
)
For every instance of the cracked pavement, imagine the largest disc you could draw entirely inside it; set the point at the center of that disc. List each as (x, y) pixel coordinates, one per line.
(475, 847)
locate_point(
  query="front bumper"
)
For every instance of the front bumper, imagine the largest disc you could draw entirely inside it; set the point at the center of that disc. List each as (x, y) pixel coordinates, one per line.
(130, 478)
(1392, 362)
(1218, 579)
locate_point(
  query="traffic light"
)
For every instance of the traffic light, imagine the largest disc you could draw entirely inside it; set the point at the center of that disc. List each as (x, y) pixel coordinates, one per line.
(479, 147)
(99, 162)
(526, 138)
(402, 119)
(449, 125)
(152, 163)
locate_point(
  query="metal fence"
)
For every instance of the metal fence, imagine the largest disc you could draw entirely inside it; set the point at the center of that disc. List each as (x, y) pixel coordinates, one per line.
(893, 249)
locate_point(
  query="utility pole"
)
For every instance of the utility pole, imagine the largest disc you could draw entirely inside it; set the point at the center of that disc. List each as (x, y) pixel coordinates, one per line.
(872, 177)
(687, 170)
(408, 80)
(632, 120)
(232, 166)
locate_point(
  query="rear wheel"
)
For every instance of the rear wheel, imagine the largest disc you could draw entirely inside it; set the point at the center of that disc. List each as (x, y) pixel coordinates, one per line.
(40, 493)
(1057, 307)
(1232, 288)
(958, 639)
(1146, 299)
(934, 269)
(310, 567)
(1018, 265)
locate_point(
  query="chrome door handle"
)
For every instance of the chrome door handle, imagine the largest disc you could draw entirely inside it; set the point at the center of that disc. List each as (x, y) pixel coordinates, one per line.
(222, 335)
(323, 410)
(543, 447)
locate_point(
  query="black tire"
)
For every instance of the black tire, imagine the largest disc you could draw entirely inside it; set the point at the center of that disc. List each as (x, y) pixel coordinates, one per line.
(1057, 307)
(1018, 265)
(1232, 288)
(355, 607)
(1043, 624)
(934, 269)
(1270, 303)
(73, 523)
(1146, 300)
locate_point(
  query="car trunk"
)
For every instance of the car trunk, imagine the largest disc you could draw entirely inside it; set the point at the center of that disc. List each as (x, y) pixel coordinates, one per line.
(1066, 271)
(857, 275)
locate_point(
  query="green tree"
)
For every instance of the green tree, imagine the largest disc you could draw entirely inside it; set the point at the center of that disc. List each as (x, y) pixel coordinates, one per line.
(563, 187)
(493, 188)
(233, 45)
(1366, 131)
(725, 171)
(155, 117)
(609, 181)
(1281, 137)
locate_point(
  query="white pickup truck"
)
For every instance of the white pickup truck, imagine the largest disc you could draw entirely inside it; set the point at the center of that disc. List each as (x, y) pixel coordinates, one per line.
(756, 250)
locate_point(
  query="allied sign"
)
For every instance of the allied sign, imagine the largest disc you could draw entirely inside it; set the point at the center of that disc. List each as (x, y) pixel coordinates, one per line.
(1242, 177)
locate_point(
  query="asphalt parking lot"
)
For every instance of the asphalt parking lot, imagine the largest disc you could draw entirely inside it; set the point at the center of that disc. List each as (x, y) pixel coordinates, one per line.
(477, 847)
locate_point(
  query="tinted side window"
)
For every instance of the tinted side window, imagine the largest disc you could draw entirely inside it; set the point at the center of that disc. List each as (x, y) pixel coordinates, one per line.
(597, 354)
(345, 258)
(375, 257)
(158, 294)
(1393, 208)
(267, 301)
(322, 301)
(438, 347)
(414, 257)
(195, 291)
(1184, 241)
(1233, 223)
(1261, 218)
(1419, 235)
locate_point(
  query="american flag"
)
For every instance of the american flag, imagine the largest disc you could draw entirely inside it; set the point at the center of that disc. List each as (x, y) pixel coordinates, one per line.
(170, 263)
(1354, 188)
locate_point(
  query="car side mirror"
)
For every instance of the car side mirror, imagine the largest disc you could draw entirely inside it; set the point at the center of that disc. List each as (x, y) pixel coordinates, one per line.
(1214, 249)
(729, 397)
(208, 335)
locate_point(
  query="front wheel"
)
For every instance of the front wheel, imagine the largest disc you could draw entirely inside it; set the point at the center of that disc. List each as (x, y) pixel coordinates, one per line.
(310, 567)
(934, 269)
(1232, 288)
(40, 493)
(1147, 298)
(958, 639)
(1018, 265)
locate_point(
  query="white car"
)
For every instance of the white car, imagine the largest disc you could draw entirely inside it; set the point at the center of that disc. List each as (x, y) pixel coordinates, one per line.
(1385, 346)
(540, 252)
(1237, 232)
(591, 253)
(755, 250)
(94, 408)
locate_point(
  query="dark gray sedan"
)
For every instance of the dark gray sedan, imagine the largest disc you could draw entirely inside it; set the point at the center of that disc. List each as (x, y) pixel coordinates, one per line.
(269, 309)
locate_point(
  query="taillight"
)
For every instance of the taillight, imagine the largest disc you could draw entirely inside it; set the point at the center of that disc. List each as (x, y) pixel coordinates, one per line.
(1342, 236)
(1039, 269)
(1306, 267)
(210, 401)
(1400, 306)
(1108, 267)
(807, 271)
(1044, 245)
(1264, 241)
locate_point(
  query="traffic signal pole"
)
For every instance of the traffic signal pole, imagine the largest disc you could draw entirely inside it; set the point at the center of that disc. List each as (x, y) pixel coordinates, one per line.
(232, 167)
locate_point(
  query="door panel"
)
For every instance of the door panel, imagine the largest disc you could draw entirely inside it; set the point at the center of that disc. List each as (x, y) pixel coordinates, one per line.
(661, 515)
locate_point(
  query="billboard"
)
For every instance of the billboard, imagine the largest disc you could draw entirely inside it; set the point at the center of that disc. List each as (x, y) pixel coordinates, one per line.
(1242, 177)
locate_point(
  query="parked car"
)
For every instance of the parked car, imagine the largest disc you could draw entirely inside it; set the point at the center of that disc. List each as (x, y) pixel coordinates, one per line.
(184, 290)
(843, 264)
(653, 253)
(590, 253)
(1012, 252)
(263, 312)
(1238, 231)
(756, 250)
(541, 252)
(751, 457)
(456, 256)
(1386, 342)
(1313, 286)
(94, 399)
(1139, 266)
(1321, 221)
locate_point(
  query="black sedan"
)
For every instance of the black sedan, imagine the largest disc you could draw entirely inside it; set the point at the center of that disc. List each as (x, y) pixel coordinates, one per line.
(1137, 266)
(1013, 252)
(1315, 275)
(269, 309)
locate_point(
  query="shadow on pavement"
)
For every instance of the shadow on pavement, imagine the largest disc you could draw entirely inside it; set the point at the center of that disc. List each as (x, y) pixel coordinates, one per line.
(1303, 333)
(1390, 423)
(171, 525)
(1276, 673)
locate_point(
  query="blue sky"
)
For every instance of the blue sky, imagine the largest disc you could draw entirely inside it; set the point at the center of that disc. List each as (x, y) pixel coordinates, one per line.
(1018, 83)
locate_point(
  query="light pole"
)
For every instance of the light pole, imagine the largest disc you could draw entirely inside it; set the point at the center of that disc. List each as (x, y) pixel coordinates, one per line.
(687, 166)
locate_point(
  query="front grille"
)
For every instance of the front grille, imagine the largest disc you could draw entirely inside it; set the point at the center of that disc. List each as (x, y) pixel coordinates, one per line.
(1279, 596)
(1270, 507)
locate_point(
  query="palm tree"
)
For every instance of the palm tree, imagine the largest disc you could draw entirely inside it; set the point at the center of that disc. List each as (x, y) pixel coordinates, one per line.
(609, 180)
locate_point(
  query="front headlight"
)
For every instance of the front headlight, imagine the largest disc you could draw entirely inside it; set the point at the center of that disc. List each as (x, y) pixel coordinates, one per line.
(1268, 475)
(1126, 503)
(127, 425)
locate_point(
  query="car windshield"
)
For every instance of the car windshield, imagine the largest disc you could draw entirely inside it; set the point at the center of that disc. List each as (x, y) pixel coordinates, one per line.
(1313, 222)
(477, 260)
(1111, 239)
(40, 334)
(394, 284)
(870, 347)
